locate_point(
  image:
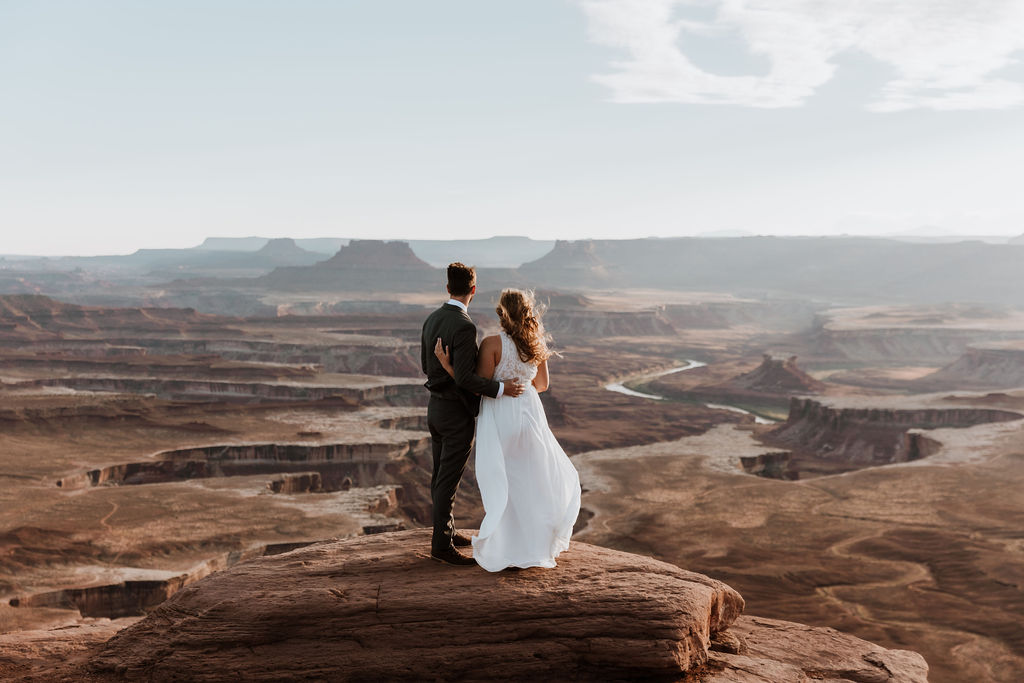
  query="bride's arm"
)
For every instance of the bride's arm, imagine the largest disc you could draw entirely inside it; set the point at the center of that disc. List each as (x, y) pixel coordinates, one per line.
(486, 361)
(541, 382)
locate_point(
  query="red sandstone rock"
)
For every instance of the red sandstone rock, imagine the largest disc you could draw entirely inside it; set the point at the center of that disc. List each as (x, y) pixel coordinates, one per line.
(377, 608)
(780, 651)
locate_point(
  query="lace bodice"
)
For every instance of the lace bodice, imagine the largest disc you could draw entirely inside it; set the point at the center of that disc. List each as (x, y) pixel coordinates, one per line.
(511, 365)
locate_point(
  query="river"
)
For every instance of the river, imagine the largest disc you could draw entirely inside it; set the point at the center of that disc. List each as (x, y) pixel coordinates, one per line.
(621, 388)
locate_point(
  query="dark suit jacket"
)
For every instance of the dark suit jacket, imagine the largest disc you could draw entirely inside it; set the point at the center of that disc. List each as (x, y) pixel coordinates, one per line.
(458, 333)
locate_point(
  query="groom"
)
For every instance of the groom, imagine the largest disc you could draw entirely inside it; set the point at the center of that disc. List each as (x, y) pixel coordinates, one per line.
(454, 403)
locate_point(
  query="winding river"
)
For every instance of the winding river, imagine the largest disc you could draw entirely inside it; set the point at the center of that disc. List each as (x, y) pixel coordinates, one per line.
(621, 388)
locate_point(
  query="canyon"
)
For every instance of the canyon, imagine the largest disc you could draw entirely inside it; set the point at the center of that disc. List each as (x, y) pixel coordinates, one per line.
(839, 462)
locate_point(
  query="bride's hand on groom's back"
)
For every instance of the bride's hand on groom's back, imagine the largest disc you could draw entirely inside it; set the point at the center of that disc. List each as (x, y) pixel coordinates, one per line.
(444, 355)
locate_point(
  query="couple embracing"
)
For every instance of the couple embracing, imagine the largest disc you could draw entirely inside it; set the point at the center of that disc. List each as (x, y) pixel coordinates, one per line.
(530, 489)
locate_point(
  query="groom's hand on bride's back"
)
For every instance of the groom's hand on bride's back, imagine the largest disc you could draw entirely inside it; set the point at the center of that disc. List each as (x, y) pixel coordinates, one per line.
(513, 388)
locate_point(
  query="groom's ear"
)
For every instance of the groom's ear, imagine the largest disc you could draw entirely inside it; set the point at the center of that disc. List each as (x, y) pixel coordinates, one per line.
(472, 290)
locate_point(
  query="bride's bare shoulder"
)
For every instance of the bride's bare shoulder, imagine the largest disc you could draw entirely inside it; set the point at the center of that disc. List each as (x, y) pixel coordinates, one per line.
(492, 346)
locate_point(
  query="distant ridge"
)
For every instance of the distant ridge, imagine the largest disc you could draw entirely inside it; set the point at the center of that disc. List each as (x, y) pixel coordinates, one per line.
(320, 245)
(493, 252)
(849, 269)
(840, 269)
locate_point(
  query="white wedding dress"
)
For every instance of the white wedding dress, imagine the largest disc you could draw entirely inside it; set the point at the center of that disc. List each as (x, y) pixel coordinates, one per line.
(530, 489)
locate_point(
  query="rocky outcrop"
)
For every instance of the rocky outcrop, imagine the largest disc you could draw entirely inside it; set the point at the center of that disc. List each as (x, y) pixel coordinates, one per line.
(281, 252)
(776, 377)
(361, 265)
(369, 609)
(377, 608)
(768, 465)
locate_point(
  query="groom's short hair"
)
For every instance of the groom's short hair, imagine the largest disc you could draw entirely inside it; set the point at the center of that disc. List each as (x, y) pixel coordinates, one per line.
(461, 279)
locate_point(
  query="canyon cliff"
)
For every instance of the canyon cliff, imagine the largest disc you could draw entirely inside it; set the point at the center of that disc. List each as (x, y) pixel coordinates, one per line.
(839, 435)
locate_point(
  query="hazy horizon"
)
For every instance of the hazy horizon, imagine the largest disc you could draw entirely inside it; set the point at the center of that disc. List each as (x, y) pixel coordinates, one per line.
(131, 126)
(924, 237)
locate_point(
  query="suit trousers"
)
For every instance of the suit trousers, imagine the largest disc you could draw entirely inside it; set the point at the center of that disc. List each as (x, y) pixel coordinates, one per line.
(451, 437)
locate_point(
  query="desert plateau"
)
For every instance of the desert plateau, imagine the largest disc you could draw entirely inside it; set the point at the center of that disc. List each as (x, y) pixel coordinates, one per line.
(786, 446)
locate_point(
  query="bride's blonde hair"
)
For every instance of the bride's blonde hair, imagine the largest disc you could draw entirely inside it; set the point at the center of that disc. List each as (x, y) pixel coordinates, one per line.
(519, 316)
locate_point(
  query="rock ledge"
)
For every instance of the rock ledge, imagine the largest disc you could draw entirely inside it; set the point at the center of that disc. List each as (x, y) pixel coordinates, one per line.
(377, 608)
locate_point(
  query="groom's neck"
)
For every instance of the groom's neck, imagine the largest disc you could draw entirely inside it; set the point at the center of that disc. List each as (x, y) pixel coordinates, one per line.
(464, 299)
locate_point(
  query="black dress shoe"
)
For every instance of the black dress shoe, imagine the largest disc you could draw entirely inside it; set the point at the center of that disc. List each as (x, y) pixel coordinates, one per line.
(461, 541)
(452, 556)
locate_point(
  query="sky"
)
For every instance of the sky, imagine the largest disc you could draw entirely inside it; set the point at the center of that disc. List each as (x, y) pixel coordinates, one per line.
(128, 125)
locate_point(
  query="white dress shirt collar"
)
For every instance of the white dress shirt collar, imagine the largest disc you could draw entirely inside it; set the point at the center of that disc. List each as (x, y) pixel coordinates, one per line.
(456, 302)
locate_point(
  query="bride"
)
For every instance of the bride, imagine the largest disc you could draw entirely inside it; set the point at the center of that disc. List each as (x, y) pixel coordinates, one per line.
(530, 489)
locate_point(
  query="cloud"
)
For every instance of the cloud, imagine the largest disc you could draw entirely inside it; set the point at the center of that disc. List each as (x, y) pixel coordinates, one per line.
(943, 54)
